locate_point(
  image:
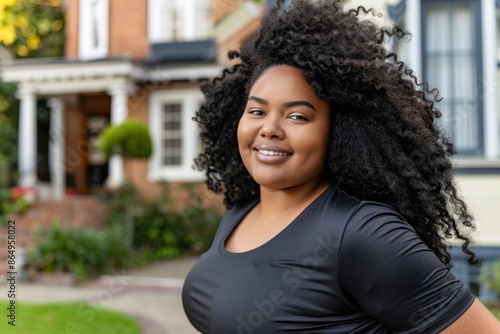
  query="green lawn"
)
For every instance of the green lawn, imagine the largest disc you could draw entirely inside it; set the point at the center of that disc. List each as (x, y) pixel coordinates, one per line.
(65, 318)
(495, 311)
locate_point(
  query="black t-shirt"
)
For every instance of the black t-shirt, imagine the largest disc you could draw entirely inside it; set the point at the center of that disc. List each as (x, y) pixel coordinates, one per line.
(342, 266)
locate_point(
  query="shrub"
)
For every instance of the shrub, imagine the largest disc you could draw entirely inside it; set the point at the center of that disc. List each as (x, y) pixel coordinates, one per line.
(161, 230)
(201, 224)
(84, 252)
(11, 204)
(129, 139)
(168, 232)
(490, 276)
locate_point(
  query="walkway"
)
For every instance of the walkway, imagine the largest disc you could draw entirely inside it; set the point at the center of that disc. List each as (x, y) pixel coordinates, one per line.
(152, 295)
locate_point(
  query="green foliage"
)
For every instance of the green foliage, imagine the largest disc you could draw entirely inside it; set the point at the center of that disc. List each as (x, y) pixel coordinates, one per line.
(124, 197)
(9, 118)
(167, 232)
(84, 252)
(28, 29)
(201, 224)
(130, 138)
(32, 28)
(122, 209)
(490, 275)
(161, 230)
(9, 204)
(68, 318)
(495, 311)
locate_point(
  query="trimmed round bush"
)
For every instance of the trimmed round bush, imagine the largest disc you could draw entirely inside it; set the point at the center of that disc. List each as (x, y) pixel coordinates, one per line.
(130, 139)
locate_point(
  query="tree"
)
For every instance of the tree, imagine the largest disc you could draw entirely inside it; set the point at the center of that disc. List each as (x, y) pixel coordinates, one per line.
(28, 29)
(32, 28)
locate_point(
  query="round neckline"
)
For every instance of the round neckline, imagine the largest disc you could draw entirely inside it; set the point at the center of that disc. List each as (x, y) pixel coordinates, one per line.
(270, 242)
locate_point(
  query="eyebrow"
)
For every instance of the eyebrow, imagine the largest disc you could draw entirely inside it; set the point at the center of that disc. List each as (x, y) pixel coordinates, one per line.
(288, 104)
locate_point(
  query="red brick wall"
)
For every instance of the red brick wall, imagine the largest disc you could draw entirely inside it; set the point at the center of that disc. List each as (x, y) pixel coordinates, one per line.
(128, 34)
(71, 40)
(127, 29)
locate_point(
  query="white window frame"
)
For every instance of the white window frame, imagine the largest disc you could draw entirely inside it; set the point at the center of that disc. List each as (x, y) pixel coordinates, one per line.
(87, 20)
(195, 25)
(189, 99)
(480, 134)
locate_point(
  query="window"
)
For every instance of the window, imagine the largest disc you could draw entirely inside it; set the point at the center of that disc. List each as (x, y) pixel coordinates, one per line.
(452, 62)
(175, 135)
(179, 20)
(172, 135)
(93, 30)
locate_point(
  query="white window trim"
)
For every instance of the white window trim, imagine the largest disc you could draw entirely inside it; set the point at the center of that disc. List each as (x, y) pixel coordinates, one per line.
(489, 80)
(189, 100)
(85, 49)
(154, 21)
(191, 22)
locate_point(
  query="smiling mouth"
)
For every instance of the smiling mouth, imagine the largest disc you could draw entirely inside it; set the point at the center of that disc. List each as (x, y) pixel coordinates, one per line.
(272, 153)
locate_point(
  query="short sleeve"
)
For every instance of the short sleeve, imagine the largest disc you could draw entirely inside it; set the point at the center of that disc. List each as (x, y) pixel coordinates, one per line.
(388, 272)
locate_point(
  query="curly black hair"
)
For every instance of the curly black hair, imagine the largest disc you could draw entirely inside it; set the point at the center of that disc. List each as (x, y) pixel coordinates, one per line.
(385, 145)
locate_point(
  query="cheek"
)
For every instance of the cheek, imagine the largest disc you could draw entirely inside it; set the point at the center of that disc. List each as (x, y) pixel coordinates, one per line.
(243, 133)
(318, 147)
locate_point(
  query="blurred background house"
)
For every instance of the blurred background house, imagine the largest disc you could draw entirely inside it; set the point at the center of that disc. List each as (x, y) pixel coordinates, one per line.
(123, 59)
(145, 59)
(455, 47)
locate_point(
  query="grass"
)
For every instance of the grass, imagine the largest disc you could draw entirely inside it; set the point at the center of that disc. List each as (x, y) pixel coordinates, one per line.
(76, 318)
(65, 318)
(495, 311)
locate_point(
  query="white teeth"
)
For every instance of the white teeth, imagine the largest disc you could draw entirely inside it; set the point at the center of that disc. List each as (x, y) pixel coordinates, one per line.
(272, 153)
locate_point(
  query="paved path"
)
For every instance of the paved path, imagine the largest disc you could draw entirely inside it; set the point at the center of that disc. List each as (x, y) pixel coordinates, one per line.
(152, 295)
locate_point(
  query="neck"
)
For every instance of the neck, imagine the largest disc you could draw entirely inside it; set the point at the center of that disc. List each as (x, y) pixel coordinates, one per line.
(278, 202)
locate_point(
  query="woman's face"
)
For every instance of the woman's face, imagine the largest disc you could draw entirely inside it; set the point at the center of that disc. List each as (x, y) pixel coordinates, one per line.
(283, 132)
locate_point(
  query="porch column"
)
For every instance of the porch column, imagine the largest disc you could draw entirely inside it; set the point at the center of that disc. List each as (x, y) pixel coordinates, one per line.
(489, 81)
(413, 16)
(56, 148)
(27, 149)
(119, 99)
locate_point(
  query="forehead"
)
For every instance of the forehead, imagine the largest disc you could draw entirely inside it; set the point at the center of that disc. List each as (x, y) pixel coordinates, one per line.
(282, 74)
(284, 82)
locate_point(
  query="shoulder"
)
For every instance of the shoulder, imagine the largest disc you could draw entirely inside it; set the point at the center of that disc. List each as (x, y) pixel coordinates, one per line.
(376, 231)
(389, 271)
(373, 220)
(351, 215)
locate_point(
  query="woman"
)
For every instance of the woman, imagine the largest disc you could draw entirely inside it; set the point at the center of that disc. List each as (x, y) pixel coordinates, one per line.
(338, 186)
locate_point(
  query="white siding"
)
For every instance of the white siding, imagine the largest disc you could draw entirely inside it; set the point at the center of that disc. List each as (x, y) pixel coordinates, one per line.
(482, 194)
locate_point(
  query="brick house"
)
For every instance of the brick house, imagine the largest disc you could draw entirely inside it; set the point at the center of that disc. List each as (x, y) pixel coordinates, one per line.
(123, 59)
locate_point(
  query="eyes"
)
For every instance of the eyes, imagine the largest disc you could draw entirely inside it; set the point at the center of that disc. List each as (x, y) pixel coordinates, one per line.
(296, 116)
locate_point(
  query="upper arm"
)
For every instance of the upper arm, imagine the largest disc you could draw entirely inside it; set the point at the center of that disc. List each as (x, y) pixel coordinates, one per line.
(476, 320)
(393, 277)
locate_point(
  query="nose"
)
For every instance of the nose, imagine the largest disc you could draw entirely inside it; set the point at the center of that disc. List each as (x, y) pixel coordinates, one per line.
(272, 128)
